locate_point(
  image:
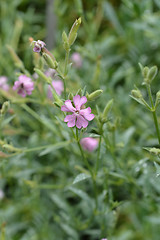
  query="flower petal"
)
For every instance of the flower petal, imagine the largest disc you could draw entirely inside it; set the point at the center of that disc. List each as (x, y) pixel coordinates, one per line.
(81, 122)
(79, 101)
(69, 118)
(69, 107)
(86, 113)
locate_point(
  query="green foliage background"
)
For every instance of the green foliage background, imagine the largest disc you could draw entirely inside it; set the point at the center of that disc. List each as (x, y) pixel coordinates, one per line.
(44, 199)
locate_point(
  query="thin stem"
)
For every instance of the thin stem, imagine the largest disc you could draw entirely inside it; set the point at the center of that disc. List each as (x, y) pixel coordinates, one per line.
(98, 155)
(65, 71)
(89, 167)
(82, 153)
(153, 112)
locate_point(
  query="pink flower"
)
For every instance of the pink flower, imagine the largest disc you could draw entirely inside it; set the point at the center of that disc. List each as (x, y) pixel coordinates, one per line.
(50, 72)
(38, 45)
(77, 60)
(24, 85)
(56, 83)
(3, 83)
(80, 116)
(58, 86)
(89, 144)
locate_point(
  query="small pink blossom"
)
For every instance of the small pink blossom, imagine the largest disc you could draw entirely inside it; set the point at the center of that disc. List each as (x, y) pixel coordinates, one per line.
(38, 45)
(3, 83)
(76, 59)
(58, 86)
(89, 144)
(24, 85)
(80, 115)
(104, 239)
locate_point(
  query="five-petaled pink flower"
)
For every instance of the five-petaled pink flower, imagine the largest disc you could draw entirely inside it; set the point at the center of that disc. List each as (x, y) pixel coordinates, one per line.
(89, 143)
(80, 115)
(3, 83)
(24, 85)
(38, 45)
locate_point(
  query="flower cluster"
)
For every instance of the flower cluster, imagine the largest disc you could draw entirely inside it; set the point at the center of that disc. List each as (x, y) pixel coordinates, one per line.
(80, 115)
(24, 85)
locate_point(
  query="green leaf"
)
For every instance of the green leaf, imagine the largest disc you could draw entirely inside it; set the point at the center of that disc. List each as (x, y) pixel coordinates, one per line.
(81, 177)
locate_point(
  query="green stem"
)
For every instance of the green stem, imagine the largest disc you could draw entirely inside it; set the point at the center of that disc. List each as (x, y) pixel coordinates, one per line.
(153, 112)
(88, 166)
(98, 155)
(65, 71)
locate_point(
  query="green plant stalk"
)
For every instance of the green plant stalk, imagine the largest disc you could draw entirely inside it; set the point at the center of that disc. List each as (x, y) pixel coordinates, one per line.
(88, 166)
(65, 71)
(98, 155)
(153, 111)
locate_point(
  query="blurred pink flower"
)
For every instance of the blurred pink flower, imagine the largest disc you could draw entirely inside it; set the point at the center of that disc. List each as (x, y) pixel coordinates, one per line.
(80, 116)
(24, 85)
(38, 45)
(3, 83)
(50, 72)
(76, 59)
(58, 86)
(56, 83)
(89, 144)
(104, 239)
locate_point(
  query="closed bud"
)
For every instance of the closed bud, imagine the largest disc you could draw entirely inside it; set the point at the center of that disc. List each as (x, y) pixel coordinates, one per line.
(65, 41)
(137, 94)
(158, 95)
(70, 96)
(145, 72)
(107, 109)
(79, 92)
(152, 73)
(73, 32)
(51, 63)
(5, 107)
(94, 95)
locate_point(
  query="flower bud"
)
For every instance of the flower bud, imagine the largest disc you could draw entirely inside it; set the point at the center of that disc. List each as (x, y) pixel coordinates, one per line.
(152, 73)
(79, 92)
(49, 61)
(73, 32)
(65, 41)
(137, 94)
(70, 96)
(94, 95)
(158, 95)
(145, 72)
(107, 109)
(155, 151)
(5, 107)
